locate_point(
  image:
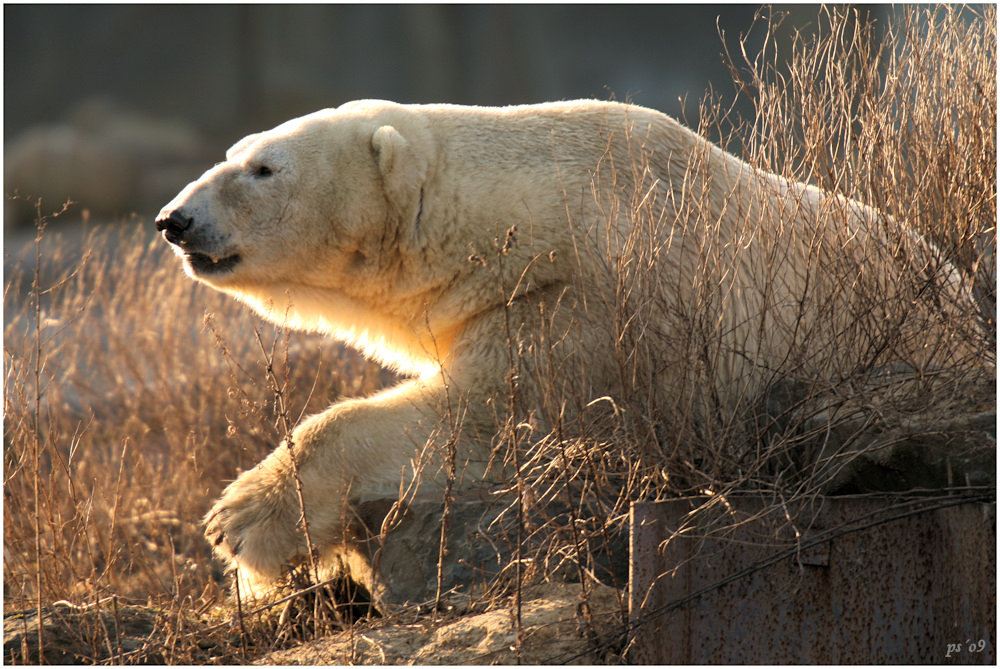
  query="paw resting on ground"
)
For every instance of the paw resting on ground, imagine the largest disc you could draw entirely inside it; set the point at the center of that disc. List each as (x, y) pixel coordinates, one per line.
(255, 526)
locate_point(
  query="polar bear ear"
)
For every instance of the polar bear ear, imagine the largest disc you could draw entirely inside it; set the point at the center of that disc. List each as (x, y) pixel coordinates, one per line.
(239, 146)
(402, 168)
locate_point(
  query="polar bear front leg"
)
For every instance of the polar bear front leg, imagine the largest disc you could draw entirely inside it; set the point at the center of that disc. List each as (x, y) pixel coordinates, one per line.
(355, 448)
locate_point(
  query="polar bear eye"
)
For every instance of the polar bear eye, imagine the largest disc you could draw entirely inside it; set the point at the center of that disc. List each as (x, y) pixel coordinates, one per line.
(263, 171)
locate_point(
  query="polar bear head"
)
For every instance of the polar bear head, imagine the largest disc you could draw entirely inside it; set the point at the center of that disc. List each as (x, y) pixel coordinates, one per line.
(309, 204)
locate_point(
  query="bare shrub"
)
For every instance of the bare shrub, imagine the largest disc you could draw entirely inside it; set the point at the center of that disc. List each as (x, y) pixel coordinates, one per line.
(905, 125)
(125, 416)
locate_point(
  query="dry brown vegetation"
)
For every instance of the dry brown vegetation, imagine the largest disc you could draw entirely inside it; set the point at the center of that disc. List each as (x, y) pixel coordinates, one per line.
(132, 395)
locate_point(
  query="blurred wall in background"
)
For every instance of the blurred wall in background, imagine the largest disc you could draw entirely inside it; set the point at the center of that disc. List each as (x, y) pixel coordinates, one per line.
(118, 106)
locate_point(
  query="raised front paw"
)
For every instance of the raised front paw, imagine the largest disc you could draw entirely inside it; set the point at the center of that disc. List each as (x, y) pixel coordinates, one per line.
(254, 528)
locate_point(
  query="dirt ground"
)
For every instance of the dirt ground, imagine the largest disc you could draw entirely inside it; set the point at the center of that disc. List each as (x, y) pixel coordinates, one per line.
(554, 631)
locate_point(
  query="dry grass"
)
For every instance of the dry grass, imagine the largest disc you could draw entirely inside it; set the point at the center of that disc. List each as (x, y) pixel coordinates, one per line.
(132, 395)
(126, 408)
(904, 123)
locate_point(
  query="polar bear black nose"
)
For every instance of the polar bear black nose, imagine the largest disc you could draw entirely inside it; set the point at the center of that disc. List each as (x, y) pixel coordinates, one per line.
(173, 225)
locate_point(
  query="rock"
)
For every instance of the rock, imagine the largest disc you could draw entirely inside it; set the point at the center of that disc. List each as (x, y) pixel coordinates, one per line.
(77, 635)
(401, 567)
(914, 455)
(109, 160)
(896, 438)
(58, 163)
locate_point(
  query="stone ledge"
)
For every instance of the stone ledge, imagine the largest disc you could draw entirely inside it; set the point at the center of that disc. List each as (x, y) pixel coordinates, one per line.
(401, 568)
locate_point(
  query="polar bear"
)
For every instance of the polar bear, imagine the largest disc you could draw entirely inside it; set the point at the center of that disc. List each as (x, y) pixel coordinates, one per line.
(452, 242)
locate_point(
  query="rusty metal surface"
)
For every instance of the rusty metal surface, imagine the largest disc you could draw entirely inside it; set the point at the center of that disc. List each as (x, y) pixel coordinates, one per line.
(866, 580)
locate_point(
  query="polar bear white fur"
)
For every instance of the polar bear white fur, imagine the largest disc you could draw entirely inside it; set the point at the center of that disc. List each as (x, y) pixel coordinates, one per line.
(448, 241)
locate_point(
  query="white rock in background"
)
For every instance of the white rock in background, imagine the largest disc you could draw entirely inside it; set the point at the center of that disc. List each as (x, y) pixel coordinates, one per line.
(109, 160)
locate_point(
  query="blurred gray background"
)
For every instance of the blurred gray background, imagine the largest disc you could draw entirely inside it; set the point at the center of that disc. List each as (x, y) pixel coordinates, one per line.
(119, 106)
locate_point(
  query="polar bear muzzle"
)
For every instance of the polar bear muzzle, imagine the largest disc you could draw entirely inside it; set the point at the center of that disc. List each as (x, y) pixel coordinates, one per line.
(196, 251)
